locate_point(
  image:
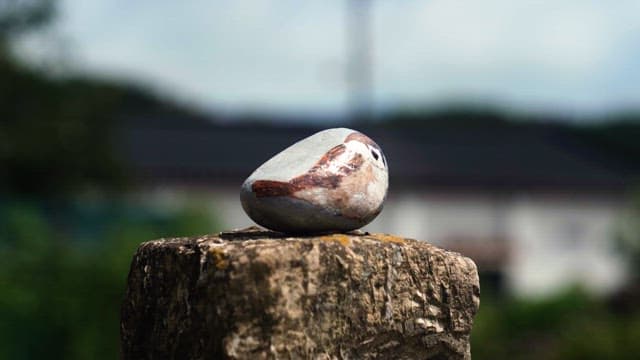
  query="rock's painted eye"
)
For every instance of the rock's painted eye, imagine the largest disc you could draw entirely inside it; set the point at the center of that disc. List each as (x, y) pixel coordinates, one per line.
(375, 154)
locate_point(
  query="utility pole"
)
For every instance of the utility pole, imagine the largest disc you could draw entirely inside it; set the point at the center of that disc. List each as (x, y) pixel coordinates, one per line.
(359, 64)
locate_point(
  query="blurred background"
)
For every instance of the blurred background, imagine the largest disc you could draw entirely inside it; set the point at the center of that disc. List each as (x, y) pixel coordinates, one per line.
(512, 130)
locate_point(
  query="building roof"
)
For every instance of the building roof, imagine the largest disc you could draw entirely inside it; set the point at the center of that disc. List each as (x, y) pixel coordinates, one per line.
(171, 151)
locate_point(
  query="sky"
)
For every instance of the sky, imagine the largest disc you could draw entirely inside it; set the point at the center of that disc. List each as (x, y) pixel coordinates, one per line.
(571, 56)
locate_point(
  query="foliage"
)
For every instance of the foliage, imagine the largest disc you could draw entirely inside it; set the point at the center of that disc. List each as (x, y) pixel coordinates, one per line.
(17, 16)
(628, 237)
(63, 269)
(462, 115)
(569, 326)
(54, 135)
(618, 136)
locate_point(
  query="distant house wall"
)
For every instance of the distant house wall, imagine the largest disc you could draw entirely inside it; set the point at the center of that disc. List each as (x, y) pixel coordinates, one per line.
(559, 241)
(441, 218)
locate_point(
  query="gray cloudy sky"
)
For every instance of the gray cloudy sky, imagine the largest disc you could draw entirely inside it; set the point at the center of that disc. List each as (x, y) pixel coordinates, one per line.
(576, 56)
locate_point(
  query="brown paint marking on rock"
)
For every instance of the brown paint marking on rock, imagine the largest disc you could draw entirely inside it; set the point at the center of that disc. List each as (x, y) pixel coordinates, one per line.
(307, 181)
(354, 164)
(356, 136)
(266, 188)
(328, 157)
(316, 177)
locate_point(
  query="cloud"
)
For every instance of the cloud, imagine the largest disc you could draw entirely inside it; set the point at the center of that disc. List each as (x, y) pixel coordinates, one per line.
(530, 53)
(575, 55)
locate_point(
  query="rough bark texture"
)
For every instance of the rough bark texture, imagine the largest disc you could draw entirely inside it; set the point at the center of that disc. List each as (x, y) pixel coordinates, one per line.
(254, 294)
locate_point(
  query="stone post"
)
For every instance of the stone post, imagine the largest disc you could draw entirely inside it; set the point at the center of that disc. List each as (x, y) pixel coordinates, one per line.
(254, 294)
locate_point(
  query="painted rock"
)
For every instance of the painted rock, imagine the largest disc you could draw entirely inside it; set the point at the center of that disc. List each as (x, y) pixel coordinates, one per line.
(334, 180)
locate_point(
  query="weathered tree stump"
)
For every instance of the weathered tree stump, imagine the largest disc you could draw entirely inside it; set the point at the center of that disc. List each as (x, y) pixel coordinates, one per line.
(254, 294)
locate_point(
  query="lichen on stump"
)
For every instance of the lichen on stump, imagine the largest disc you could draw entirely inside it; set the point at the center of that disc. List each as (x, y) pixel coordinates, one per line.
(254, 294)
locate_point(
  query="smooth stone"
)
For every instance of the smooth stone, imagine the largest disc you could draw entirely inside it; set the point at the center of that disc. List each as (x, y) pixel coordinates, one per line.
(334, 180)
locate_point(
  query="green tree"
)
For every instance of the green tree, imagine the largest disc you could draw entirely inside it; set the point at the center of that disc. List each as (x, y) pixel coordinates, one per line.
(55, 134)
(62, 282)
(629, 234)
(18, 16)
